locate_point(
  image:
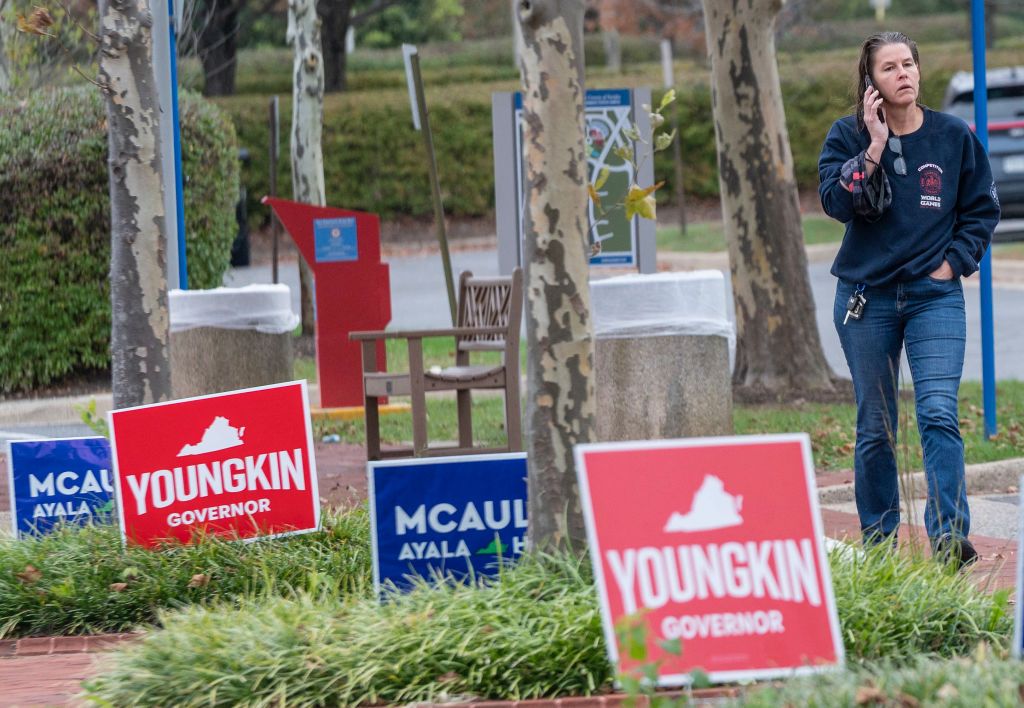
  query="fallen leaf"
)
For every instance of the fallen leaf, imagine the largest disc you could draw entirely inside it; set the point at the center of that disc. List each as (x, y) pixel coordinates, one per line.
(37, 22)
(450, 676)
(869, 694)
(30, 575)
(199, 580)
(947, 692)
(118, 587)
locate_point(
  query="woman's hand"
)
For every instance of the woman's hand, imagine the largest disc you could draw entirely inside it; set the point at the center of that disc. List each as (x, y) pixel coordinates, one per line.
(943, 272)
(878, 130)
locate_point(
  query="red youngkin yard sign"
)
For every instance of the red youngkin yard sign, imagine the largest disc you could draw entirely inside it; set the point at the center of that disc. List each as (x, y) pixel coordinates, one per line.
(716, 542)
(238, 464)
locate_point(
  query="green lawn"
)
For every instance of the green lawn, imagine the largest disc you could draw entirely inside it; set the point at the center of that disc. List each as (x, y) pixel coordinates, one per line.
(1008, 251)
(831, 426)
(708, 235)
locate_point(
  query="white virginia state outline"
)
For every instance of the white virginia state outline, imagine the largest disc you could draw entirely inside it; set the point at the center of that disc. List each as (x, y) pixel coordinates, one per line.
(219, 435)
(712, 508)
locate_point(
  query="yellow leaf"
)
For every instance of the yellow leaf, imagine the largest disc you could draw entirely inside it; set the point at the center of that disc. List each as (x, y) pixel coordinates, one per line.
(669, 96)
(623, 152)
(602, 177)
(640, 201)
(594, 195)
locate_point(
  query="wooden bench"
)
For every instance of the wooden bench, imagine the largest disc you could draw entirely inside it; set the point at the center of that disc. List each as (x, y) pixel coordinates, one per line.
(489, 319)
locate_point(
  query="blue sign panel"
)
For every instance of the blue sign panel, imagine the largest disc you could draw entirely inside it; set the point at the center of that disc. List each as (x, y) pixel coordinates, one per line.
(59, 481)
(451, 515)
(335, 239)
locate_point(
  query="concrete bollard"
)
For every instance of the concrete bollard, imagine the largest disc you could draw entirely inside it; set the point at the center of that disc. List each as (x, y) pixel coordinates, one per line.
(663, 350)
(230, 338)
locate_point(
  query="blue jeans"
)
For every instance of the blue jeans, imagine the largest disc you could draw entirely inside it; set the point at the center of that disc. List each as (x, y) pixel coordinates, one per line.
(927, 317)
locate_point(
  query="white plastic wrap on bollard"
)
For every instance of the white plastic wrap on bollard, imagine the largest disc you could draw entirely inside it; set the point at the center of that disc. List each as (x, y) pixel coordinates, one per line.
(263, 308)
(660, 304)
(227, 339)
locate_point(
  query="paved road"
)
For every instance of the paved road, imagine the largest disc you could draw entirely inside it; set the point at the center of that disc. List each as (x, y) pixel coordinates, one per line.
(41, 430)
(418, 300)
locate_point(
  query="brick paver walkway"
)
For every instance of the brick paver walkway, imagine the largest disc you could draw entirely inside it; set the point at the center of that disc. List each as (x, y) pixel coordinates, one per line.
(40, 679)
(44, 680)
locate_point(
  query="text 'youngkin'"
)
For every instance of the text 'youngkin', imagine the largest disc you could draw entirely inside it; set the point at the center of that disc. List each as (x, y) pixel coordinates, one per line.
(272, 470)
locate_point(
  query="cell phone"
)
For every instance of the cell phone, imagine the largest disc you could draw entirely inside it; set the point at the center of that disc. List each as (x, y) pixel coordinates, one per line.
(869, 84)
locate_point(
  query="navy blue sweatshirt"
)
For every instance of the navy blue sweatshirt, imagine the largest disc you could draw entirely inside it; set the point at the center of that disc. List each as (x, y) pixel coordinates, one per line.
(945, 207)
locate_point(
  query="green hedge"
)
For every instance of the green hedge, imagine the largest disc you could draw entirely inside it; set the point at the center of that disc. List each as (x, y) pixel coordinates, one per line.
(374, 161)
(55, 233)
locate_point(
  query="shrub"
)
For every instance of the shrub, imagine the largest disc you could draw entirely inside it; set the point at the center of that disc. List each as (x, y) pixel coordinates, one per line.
(67, 582)
(536, 633)
(923, 682)
(375, 161)
(55, 237)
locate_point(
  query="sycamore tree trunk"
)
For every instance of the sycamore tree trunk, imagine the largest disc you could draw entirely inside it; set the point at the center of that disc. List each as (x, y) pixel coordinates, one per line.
(307, 126)
(140, 360)
(560, 347)
(778, 350)
(218, 48)
(7, 29)
(336, 16)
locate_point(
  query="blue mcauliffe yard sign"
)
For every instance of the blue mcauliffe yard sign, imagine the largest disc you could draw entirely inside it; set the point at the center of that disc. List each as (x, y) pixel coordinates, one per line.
(449, 515)
(58, 481)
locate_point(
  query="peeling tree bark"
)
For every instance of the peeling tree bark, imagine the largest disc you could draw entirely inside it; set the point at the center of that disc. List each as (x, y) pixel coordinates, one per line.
(307, 126)
(140, 360)
(560, 403)
(7, 25)
(778, 352)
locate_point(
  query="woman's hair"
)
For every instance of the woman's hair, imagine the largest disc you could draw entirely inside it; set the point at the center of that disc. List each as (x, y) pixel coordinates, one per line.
(867, 57)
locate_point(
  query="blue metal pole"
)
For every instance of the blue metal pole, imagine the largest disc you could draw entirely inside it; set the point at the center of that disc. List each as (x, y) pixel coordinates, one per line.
(178, 187)
(988, 363)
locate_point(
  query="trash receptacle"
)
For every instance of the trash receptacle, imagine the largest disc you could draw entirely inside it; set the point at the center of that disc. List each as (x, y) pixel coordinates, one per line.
(663, 350)
(230, 338)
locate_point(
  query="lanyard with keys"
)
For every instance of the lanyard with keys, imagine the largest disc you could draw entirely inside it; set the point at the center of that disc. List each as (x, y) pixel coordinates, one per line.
(855, 305)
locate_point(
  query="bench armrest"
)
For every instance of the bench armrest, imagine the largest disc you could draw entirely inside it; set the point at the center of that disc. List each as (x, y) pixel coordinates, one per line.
(423, 333)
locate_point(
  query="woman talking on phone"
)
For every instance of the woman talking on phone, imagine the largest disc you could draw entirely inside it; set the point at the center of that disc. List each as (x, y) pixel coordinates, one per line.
(915, 191)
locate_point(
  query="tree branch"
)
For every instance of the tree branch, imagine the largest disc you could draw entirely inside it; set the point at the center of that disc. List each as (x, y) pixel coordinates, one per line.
(377, 7)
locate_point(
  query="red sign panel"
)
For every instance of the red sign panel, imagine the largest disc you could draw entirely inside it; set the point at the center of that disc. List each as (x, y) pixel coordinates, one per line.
(716, 542)
(238, 464)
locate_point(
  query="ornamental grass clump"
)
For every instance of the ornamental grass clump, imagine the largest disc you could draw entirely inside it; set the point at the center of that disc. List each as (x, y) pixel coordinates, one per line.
(83, 580)
(982, 680)
(535, 632)
(897, 606)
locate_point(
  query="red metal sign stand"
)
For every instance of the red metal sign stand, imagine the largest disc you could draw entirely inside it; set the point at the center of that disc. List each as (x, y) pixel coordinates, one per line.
(353, 292)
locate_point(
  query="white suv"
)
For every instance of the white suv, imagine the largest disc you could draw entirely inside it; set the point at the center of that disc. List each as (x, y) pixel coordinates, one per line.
(1005, 128)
